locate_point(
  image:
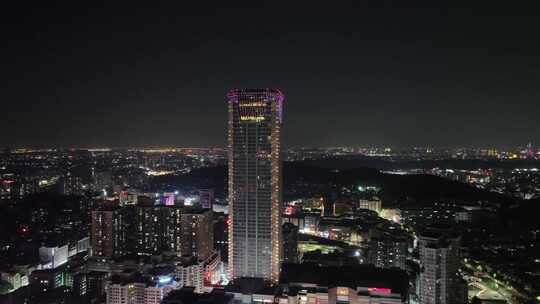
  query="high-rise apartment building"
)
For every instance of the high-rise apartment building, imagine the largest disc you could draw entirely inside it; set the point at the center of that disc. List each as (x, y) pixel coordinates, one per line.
(157, 228)
(71, 185)
(290, 243)
(439, 262)
(197, 233)
(254, 148)
(388, 250)
(147, 229)
(108, 234)
(206, 198)
(102, 180)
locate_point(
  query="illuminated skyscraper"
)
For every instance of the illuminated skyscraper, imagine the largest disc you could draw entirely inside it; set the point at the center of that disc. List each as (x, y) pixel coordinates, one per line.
(255, 183)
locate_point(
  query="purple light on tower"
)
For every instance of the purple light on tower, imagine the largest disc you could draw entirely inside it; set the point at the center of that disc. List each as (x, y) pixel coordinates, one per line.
(232, 95)
(276, 95)
(280, 98)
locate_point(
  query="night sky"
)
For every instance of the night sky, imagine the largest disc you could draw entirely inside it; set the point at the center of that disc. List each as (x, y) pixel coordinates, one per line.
(375, 73)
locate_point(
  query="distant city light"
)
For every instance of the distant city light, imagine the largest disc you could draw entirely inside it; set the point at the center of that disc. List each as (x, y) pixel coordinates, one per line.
(164, 279)
(289, 210)
(188, 201)
(159, 173)
(363, 188)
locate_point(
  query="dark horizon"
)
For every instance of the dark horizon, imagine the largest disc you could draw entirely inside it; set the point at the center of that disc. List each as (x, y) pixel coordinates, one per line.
(371, 74)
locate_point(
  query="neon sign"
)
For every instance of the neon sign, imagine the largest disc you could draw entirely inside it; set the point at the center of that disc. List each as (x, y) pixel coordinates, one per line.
(380, 290)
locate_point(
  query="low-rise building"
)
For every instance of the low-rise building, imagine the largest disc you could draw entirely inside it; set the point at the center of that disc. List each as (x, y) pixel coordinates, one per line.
(138, 290)
(190, 273)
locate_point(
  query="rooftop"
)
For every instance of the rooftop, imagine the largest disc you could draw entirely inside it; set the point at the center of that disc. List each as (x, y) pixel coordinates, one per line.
(187, 295)
(350, 276)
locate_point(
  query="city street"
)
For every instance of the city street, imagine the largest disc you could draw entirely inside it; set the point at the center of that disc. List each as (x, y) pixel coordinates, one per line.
(482, 285)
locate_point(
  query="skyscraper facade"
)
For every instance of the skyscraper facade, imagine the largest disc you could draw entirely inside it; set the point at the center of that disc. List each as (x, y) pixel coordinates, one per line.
(290, 243)
(254, 147)
(108, 237)
(156, 228)
(440, 261)
(197, 236)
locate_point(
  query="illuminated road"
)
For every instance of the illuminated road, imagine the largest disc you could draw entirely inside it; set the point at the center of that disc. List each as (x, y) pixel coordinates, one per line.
(485, 293)
(489, 288)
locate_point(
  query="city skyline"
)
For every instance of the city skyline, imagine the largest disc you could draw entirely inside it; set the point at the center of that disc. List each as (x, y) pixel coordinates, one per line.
(385, 74)
(146, 156)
